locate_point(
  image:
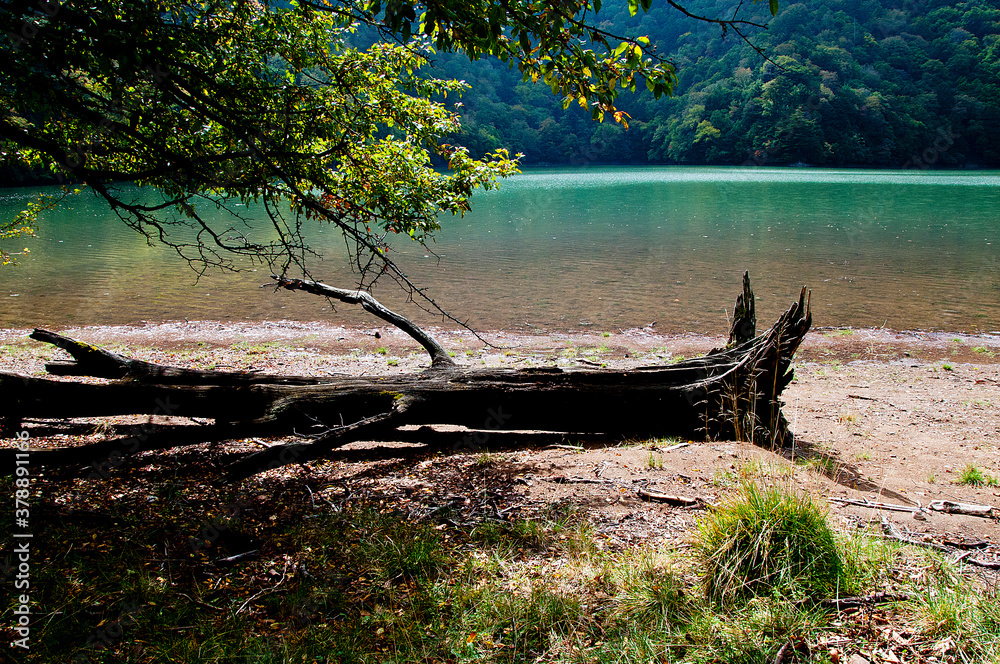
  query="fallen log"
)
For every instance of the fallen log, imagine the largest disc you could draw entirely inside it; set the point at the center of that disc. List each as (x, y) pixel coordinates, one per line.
(89, 360)
(729, 393)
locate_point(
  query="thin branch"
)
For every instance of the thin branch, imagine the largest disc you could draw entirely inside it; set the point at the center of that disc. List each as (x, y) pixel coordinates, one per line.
(439, 356)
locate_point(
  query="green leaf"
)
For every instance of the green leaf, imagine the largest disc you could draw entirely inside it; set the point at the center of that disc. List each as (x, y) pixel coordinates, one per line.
(774, 7)
(633, 7)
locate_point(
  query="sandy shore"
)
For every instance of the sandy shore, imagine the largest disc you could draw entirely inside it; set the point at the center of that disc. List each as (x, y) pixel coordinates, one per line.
(877, 414)
(820, 344)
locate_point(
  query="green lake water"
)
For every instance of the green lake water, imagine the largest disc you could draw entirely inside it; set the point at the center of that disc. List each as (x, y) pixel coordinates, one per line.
(600, 248)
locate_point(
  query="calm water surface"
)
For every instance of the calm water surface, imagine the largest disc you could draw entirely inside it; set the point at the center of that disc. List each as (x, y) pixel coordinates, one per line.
(602, 247)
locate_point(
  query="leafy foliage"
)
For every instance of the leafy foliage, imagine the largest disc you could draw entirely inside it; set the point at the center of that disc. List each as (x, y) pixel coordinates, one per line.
(213, 104)
(551, 42)
(847, 82)
(21, 225)
(274, 105)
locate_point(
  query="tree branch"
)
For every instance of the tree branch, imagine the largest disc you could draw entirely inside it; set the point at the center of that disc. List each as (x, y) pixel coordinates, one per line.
(439, 356)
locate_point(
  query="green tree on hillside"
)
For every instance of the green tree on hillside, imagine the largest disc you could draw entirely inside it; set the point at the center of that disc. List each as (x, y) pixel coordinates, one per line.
(876, 83)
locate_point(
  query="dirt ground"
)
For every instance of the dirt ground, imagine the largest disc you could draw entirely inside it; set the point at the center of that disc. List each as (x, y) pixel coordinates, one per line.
(877, 415)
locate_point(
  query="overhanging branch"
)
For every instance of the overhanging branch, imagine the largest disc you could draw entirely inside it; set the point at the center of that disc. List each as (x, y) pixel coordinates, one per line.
(439, 356)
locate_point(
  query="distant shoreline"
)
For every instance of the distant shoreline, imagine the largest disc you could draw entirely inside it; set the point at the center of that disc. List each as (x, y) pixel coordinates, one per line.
(618, 348)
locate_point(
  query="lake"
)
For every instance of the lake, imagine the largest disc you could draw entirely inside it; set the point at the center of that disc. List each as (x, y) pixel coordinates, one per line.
(572, 249)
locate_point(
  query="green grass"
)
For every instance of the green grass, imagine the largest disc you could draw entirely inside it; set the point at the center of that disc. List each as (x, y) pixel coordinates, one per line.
(255, 349)
(950, 607)
(767, 541)
(382, 350)
(750, 470)
(973, 475)
(824, 464)
(654, 461)
(366, 582)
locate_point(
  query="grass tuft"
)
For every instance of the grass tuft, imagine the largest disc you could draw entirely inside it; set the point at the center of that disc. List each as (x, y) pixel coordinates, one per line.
(950, 608)
(973, 475)
(655, 597)
(767, 541)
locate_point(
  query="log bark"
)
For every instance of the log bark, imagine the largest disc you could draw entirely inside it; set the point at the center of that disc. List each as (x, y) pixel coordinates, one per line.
(730, 393)
(744, 327)
(89, 360)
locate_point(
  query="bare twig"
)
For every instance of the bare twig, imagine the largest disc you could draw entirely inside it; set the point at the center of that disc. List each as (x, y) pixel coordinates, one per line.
(672, 447)
(876, 505)
(891, 532)
(841, 603)
(239, 556)
(266, 590)
(200, 603)
(562, 479)
(989, 564)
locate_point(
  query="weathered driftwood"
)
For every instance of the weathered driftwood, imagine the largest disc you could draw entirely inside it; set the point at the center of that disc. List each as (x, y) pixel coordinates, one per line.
(729, 393)
(969, 509)
(670, 499)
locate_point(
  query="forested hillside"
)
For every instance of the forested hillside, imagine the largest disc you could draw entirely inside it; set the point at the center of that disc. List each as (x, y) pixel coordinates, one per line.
(880, 83)
(889, 83)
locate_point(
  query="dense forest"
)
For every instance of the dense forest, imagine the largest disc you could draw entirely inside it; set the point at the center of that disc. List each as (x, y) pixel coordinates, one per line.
(887, 83)
(880, 83)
